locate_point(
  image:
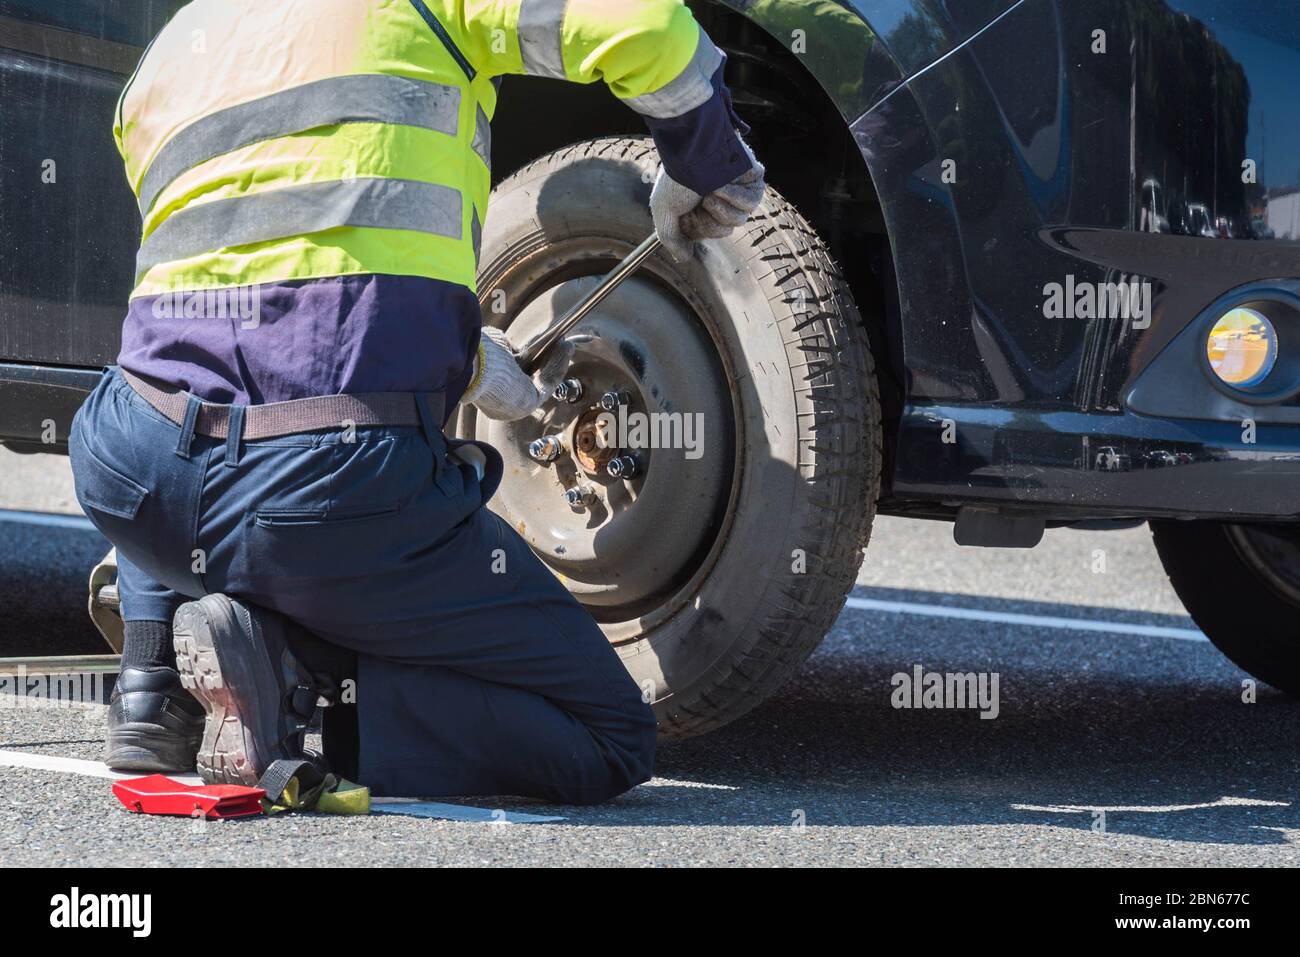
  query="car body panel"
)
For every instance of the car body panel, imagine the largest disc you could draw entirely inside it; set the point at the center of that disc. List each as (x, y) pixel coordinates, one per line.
(62, 69)
(859, 49)
(1060, 155)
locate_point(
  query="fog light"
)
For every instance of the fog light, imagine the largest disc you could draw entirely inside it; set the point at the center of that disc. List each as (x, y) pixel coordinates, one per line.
(1242, 348)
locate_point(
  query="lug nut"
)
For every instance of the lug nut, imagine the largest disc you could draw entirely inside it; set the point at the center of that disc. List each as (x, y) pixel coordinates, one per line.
(580, 495)
(623, 467)
(546, 449)
(610, 401)
(570, 390)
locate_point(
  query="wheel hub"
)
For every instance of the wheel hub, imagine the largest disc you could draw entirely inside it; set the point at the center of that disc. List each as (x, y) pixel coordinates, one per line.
(593, 441)
(654, 410)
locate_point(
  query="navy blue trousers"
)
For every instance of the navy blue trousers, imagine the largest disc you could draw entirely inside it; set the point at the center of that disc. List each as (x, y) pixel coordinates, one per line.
(478, 673)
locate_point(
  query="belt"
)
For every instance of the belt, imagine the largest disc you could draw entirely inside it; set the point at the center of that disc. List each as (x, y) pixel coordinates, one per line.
(274, 419)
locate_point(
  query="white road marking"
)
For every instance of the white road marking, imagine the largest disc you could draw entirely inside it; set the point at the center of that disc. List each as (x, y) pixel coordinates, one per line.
(381, 805)
(79, 522)
(1225, 801)
(456, 812)
(658, 782)
(87, 769)
(1031, 621)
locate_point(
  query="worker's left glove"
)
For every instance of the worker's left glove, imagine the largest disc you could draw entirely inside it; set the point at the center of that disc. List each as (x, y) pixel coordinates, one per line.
(683, 217)
(503, 391)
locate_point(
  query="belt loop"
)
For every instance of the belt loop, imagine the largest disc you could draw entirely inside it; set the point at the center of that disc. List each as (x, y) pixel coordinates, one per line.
(235, 432)
(186, 439)
(428, 425)
(437, 408)
(437, 441)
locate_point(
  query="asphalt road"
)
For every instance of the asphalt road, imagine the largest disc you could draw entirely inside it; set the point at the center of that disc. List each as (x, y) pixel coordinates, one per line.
(1143, 722)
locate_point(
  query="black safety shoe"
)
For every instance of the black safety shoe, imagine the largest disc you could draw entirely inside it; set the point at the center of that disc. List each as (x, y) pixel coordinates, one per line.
(153, 723)
(258, 696)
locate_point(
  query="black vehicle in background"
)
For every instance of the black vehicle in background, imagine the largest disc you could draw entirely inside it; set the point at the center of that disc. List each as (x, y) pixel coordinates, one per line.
(1026, 263)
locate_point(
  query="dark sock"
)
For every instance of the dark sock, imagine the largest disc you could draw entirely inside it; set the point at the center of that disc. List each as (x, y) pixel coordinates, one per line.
(319, 656)
(148, 645)
(341, 739)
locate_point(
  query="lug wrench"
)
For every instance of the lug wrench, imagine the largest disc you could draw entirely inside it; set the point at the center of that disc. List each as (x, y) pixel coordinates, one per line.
(530, 355)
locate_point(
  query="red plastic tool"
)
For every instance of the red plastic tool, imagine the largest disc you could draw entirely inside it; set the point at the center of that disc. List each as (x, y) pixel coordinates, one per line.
(158, 794)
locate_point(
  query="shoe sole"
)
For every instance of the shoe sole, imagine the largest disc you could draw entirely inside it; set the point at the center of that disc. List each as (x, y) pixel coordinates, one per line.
(144, 747)
(228, 753)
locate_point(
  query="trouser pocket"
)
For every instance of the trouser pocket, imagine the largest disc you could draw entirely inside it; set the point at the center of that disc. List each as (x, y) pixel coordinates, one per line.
(102, 489)
(293, 517)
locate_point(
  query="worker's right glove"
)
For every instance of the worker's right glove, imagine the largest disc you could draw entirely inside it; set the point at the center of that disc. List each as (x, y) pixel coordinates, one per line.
(682, 216)
(503, 391)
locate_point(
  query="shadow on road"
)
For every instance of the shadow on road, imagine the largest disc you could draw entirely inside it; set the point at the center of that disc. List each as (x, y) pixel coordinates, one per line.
(1151, 731)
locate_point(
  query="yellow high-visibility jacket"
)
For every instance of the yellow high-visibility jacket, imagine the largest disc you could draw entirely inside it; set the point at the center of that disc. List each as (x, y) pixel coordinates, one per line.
(271, 142)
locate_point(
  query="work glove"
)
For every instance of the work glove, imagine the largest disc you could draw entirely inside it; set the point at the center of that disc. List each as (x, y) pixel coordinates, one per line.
(503, 391)
(683, 217)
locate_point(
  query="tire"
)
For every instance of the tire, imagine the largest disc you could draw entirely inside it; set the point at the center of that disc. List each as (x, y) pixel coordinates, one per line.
(1245, 598)
(801, 448)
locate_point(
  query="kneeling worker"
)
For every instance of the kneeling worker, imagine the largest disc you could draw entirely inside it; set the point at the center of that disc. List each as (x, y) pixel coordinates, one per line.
(288, 514)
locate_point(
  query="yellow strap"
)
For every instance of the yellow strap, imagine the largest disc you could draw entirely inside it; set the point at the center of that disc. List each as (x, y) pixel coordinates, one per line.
(346, 798)
(336, 796)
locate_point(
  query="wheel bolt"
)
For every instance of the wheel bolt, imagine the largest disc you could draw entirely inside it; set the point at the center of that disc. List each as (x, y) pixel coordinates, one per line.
(623, 467)
(546, 449)
(570, 390)
(580, 495)
(610, 401)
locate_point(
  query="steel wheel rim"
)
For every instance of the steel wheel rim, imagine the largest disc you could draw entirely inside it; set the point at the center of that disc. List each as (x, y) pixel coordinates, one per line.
(557, 273)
